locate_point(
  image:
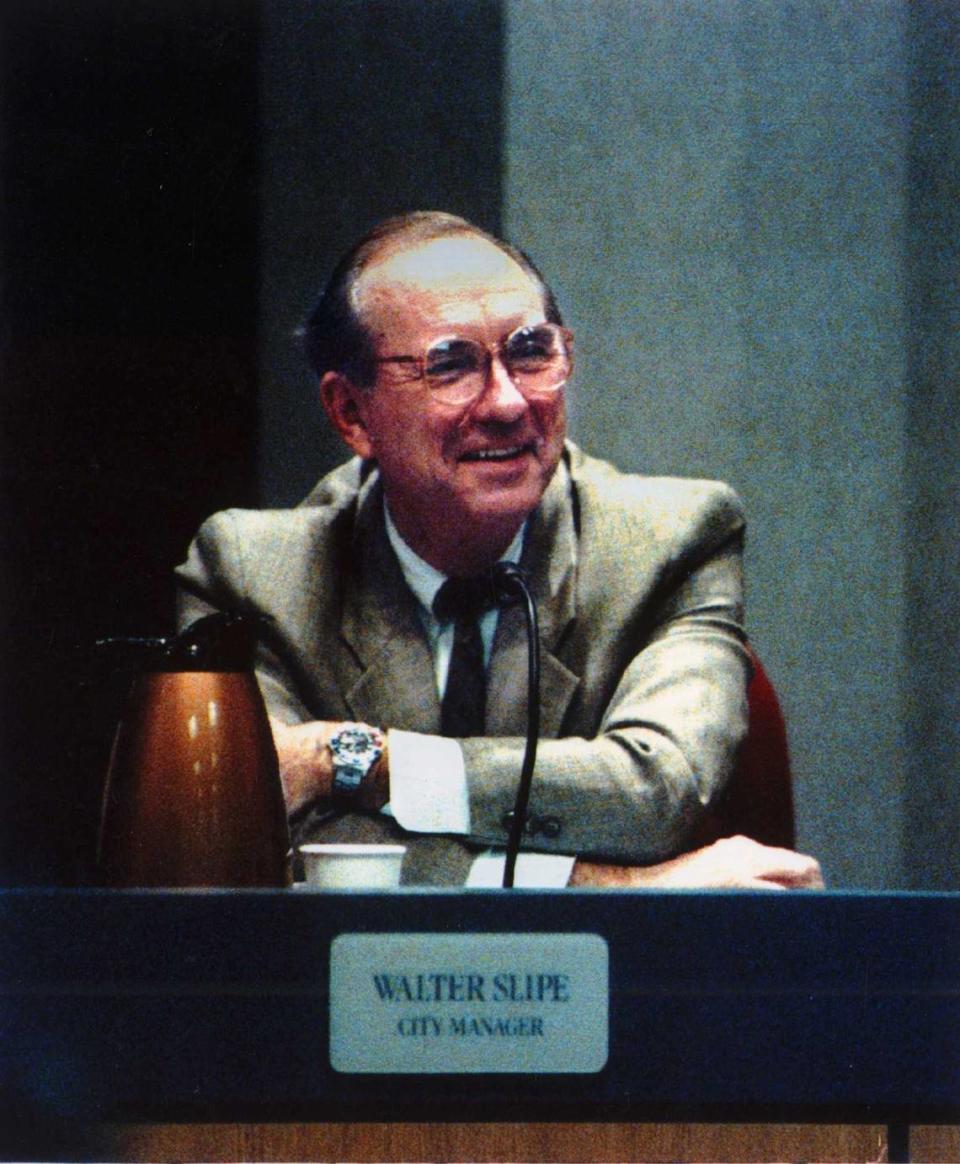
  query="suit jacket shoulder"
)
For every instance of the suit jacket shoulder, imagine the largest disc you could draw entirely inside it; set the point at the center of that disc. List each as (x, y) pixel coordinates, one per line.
(633, 526)
(290, 566)
(665, 506)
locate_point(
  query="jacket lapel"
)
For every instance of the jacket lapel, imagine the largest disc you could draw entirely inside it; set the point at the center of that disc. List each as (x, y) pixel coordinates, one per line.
(550, 562)
(385, 666)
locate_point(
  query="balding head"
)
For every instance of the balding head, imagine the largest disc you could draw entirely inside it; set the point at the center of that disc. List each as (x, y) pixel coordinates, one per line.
(336, 336)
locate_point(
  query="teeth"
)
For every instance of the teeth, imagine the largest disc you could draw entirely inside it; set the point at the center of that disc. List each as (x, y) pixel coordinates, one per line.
(495, 454)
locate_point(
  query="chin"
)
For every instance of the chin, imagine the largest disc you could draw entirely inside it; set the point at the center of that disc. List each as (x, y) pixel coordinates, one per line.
(503, 505)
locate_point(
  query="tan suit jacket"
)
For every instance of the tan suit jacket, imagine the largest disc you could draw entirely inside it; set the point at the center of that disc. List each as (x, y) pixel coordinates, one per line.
(639, 590)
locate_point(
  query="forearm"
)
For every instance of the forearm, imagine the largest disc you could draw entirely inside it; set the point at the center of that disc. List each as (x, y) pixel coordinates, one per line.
(635, 791)
(736, 862)
(623, 797)
(730, 863)
(631, 796)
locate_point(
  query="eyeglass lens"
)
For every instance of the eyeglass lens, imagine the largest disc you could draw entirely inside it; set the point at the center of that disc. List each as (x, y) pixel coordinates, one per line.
(536, 358)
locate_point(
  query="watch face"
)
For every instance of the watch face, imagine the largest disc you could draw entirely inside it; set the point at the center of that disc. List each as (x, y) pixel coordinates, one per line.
(356, 745)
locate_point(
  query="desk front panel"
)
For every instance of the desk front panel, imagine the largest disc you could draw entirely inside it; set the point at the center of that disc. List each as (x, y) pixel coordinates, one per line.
(214, 1005)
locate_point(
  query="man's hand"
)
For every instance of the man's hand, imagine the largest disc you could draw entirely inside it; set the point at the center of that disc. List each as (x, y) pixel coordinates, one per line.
(306, 766)
(730, 863)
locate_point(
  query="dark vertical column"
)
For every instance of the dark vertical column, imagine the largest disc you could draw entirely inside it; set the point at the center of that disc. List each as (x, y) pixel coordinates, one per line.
(932, 821)
(369, 108)
(128, 247)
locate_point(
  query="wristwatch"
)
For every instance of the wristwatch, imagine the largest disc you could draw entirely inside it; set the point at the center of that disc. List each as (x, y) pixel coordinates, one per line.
(355, 748)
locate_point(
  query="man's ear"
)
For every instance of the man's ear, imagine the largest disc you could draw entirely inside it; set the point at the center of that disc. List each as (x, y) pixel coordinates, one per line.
(342, 400)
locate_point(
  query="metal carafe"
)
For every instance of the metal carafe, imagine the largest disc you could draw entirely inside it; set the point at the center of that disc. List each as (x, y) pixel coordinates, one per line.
(193, 794)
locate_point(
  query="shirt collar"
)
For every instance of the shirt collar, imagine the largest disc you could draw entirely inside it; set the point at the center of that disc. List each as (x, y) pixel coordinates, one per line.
(420, 576)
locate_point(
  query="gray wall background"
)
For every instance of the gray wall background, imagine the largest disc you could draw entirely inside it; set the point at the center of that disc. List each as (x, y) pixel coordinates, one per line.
(749, 213)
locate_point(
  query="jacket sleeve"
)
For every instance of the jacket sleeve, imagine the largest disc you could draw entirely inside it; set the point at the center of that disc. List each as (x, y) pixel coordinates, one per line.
(633, 787)
(212, 578)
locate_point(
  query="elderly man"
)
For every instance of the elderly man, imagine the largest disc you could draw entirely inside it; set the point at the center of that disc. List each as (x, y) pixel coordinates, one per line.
(398, 701)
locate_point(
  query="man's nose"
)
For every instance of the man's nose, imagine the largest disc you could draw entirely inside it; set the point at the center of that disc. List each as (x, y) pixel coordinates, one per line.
(500, 399)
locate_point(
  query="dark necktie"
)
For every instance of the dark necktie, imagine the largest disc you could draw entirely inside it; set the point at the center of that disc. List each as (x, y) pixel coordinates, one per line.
(464, 601)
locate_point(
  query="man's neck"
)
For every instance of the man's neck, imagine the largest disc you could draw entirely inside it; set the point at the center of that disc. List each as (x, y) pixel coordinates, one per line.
(465, 554)
(423, 579)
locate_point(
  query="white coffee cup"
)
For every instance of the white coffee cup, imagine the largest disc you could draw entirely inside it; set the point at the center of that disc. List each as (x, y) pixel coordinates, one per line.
(352, 866)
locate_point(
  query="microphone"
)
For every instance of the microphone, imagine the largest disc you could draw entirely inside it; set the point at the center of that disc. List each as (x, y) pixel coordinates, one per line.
(511, 586)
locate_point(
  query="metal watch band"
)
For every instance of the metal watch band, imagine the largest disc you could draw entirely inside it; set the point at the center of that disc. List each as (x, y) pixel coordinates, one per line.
(355, 748)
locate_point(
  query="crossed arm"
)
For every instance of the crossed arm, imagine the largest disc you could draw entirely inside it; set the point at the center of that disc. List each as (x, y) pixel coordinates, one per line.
(729, 863)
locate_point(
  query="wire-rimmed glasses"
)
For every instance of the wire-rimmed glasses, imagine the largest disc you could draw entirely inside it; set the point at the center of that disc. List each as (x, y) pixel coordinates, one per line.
(538, 358)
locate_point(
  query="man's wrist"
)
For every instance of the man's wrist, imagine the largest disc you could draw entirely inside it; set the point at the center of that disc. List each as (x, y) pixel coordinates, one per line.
(357, 756)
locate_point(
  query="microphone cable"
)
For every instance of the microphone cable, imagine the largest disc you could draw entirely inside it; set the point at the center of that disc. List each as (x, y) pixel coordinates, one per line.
(511, 585)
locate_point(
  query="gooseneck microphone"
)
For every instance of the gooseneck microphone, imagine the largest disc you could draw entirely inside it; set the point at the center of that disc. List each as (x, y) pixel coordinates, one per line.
(511, 586)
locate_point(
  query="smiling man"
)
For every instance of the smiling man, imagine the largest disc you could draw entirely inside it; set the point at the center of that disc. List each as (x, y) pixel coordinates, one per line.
(398, 709)
(464, 458)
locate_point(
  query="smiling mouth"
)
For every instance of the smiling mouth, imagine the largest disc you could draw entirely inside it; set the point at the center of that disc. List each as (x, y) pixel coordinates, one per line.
(509, 454)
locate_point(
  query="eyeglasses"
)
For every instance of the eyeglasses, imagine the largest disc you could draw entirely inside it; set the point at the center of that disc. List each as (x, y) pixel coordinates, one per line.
(537, 358)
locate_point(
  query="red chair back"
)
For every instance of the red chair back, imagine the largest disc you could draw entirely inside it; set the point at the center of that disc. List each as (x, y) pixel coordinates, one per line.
(758, 802)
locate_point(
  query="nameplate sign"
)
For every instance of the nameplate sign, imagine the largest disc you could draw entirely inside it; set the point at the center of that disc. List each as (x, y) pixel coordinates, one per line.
(428, 1004)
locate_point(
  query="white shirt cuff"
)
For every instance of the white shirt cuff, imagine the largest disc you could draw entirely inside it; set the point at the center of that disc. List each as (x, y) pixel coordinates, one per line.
(532, 871)
(428, 784)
